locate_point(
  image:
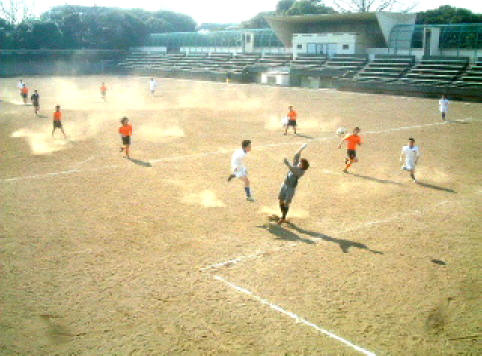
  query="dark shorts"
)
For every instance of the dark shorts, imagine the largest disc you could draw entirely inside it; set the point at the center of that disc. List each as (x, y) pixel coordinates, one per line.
(23, 95)
(292, 123)
(57, 123)
(126, 140)
(36, 104)
(286, 193)
(351, 154)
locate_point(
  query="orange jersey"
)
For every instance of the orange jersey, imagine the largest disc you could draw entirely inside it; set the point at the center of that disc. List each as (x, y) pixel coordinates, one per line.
(24, 90)
(292, 115)
(57, 116)
(125, 130)
(103, 89)
(352, 141)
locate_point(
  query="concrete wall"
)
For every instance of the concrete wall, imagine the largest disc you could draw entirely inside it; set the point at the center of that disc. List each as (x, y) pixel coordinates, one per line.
(340, 43)
(273, 78)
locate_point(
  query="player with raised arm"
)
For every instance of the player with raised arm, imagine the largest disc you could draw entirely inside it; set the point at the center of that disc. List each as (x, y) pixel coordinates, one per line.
(352, 140)
(238, 169)
(411, 153)
(288, 188)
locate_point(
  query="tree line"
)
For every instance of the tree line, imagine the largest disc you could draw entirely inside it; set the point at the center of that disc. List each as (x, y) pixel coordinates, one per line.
(76, 27)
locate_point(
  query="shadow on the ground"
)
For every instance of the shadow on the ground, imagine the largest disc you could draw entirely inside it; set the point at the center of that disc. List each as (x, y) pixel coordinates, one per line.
(438, 262)
(140, 163)
(283, 234)
(344, 244)
(304, 136)
(436, 187)
(42, 116)
(374, 179)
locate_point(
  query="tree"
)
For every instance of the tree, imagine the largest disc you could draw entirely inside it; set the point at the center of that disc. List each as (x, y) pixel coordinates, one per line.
(283, 6)
(372, 5)
(258, 21)
(309, 7)
(15, 11)
(447, 14)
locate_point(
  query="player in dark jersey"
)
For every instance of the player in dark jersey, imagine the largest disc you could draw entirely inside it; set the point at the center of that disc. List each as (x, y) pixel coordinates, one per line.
(288, 188)
(35, 99)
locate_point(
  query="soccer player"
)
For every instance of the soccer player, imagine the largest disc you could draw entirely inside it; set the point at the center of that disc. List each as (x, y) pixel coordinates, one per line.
(443, 105)
(20, 86)
(291, 119)
(288, 188)
(24, 93)
(238, 168)
(103, 91)
(411, 153)
(152, 86)
(35, 98)
(126, 132)
(351, 142)
(58, 121)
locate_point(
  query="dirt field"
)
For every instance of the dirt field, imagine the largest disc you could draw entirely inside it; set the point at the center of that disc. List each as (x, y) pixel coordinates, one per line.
(159, 255)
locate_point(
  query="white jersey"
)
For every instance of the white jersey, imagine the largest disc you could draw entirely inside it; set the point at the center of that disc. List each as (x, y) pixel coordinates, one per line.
(443, 105)
(152, 85)
(237, 165)
(20, 85)
(411, 155)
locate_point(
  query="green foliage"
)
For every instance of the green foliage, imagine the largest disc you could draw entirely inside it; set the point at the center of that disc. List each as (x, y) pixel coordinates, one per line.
(258, 21)
(309, 7)
(447, 15)
(74, 27)
(283, 6)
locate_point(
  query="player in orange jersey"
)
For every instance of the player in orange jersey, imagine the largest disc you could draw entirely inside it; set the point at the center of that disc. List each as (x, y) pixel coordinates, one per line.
(351, 142)
(24, 93)
(291, 119)
(103, 91)
(58, 121)
(126, 132)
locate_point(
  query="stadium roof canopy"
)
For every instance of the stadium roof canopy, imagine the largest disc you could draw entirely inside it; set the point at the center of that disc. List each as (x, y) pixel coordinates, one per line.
(374, 27)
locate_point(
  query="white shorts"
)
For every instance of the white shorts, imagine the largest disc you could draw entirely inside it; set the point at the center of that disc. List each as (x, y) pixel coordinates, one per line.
(240, 172)
(408, 166)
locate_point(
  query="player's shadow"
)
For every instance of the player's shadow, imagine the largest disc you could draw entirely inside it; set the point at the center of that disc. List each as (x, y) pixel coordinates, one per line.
(140, 163)
(436, 187)
(42, 116)
(283, 234)
(374, 179)
(305, 136)
(345, 245)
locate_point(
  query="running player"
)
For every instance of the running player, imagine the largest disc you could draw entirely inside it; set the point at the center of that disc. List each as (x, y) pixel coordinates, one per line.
(24, 93)
(57, 122)
(291, 119)
(238, 168)
(288, 188)
(411, 153)
(20, 86)
(35, 98)
(152, 86)
(126, 132)
(443, 105)
(103, 91)
(351, 142)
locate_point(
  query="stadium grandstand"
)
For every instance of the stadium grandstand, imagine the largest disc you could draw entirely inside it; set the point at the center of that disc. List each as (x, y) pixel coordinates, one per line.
(378, 51)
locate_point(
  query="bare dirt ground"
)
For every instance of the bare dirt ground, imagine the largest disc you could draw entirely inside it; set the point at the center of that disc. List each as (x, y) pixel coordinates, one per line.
(100, 255)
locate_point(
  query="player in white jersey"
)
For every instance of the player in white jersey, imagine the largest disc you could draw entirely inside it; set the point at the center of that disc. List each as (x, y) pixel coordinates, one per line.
(152, 86)
(238, 169)
(443, 106)
(411, 153)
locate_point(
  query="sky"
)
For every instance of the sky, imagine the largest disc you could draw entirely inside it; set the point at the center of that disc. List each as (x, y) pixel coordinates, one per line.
(226, 11)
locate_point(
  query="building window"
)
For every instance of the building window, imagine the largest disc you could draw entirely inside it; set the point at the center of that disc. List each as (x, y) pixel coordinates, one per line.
(346, 46)
(299, 46)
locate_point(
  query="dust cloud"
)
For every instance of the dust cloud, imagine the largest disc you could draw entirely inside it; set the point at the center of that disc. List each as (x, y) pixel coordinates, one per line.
(206, 198)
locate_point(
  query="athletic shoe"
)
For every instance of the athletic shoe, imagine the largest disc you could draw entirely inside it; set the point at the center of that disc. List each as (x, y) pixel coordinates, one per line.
(250, 199)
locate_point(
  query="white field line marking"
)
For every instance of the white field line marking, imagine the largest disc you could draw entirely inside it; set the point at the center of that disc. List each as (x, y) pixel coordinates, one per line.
(368, 224)
(85, 161)
(202, 154)
(292, 315)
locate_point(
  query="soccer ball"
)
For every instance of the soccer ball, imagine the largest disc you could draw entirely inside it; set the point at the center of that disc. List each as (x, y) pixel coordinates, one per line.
(341, 131)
